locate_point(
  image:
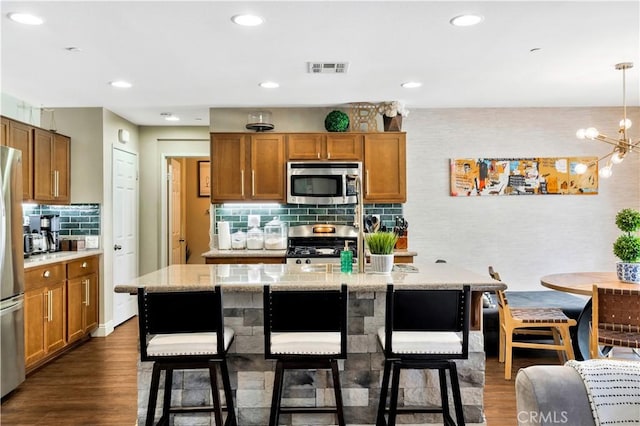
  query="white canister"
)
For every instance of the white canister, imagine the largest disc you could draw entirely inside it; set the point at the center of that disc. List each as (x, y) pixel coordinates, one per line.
(224, 236)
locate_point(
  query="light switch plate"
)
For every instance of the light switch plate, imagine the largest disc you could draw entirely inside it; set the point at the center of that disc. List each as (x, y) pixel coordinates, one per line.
(92, 241)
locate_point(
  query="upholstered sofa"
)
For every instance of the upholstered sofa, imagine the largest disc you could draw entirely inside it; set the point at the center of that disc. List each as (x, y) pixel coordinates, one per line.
(551, 395)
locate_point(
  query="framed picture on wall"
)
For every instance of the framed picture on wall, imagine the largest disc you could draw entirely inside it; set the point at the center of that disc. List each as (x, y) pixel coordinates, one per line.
(204, 179)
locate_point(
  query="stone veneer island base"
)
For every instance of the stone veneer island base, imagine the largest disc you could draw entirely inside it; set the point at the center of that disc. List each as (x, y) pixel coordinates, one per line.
(252, 375)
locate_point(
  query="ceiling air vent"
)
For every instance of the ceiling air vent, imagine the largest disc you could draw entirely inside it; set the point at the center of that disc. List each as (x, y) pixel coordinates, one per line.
(328, 67)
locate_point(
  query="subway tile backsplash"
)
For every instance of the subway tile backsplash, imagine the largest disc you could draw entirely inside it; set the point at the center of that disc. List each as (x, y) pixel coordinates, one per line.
(297, 214)
(75, 219)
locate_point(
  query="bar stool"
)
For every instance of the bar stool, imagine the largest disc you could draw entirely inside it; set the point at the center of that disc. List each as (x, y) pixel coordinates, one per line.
(424, 329)
(183, 331)
(305, 329)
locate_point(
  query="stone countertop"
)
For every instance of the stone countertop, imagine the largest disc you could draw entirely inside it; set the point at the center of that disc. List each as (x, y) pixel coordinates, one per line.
(272, 253)
(252, 278)
(37, 260)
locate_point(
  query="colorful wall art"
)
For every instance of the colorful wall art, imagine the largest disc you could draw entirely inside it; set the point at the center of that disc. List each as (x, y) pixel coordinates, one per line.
(523, 176)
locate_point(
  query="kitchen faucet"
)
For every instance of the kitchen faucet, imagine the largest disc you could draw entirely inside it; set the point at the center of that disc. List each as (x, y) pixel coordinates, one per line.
(358, 220)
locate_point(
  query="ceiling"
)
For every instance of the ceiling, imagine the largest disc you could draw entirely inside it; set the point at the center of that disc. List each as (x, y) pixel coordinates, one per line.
(186, 57)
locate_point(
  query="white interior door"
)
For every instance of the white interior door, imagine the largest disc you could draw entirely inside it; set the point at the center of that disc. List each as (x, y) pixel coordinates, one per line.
(176, 206)
(125, 231)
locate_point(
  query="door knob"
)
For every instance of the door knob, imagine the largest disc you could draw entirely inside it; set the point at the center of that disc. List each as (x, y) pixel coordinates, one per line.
(117, 247)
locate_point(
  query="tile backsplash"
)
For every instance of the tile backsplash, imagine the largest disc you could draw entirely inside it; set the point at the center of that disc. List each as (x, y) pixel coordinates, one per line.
(297, 214)
(75, 219)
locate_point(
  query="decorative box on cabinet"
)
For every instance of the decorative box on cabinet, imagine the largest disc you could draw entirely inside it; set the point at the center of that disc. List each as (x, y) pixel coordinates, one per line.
(82, 297)
(20, 136)
(324, 146)
(247, 167)
(52, 158)
(44, 318)
(385, 167)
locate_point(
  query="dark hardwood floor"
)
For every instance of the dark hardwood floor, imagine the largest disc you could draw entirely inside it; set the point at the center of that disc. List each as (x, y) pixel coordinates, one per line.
(96, 384)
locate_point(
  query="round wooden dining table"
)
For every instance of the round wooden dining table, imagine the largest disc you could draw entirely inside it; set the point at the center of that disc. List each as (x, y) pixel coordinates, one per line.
(582, 283)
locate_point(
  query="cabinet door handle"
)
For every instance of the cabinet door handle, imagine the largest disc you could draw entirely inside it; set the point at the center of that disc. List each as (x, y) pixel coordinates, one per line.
(253, 182)
(53, 183)
(328, 155)
(50, 305)
(84, 264)
(318, 156)
(46, 314)
(86, 292)
(46, 274)
(242, 183)
(367, 181)
(57, 175)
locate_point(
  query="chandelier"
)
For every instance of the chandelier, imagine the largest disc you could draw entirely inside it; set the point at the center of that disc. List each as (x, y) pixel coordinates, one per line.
(621, 146)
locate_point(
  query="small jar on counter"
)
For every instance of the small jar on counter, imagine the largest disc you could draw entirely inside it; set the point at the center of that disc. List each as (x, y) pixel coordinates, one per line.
(239, 240)
(255, 239)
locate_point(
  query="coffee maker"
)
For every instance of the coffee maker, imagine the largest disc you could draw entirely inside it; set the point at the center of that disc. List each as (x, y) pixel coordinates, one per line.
(48, 226)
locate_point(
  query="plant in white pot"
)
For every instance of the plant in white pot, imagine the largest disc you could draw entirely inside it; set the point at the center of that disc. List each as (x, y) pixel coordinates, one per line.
(627, 246)
(381, 246)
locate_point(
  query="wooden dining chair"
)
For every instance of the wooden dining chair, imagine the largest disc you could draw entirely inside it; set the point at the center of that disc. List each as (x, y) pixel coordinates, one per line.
(533, 321)
(615, 319)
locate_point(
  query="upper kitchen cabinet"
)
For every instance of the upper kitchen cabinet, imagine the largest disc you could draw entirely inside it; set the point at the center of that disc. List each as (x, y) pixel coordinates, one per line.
(385, 167)
(52, 158)
(20, 136)
(247, 167)
(324, 146)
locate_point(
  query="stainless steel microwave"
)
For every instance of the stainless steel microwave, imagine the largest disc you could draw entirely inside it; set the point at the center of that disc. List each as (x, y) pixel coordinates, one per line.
(322, 182)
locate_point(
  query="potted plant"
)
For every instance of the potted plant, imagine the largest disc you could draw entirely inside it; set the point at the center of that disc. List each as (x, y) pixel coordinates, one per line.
(627, 246)
(381, 244)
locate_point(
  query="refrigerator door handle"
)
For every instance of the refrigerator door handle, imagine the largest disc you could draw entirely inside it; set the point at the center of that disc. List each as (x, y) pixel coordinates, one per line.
(11, 306)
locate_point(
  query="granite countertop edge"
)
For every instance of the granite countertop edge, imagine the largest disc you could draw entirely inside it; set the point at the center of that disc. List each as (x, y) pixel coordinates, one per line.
(38, 260)
(217, 253)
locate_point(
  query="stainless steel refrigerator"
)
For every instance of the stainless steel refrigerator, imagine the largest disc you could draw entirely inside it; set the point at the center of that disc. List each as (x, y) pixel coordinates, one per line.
(11, 270)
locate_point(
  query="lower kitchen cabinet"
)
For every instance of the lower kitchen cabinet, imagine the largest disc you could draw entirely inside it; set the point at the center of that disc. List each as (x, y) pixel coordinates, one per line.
(82, 298)
(61, 308)
(45, 313)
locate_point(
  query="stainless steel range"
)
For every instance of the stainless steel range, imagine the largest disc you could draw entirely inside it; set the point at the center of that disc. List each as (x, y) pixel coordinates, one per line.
(308, 244)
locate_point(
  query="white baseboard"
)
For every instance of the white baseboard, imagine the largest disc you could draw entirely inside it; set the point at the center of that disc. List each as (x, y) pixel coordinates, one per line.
(103, 330)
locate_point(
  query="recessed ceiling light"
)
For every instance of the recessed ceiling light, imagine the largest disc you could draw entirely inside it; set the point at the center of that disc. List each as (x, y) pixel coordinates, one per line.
(120, 84)
(269, 85)
(73, 49)
(247, 20)
(466, 20)
(411, 84)
(25, 18)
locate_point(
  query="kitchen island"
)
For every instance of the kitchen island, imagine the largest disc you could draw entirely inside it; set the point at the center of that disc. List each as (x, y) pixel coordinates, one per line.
(252, 375)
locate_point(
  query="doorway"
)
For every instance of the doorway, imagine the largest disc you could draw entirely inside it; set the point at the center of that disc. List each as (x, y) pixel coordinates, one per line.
(188, 210)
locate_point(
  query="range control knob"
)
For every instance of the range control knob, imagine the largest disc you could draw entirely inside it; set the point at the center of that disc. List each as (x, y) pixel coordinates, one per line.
(298, 261)
(307, 261)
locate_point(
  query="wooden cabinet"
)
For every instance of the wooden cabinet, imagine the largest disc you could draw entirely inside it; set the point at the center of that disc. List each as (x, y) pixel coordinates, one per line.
(324, 146)
(51, 166)
(247, 167)
(61, 308)
(20, 136)
(385, 167)
(45, 314)
(82, 297)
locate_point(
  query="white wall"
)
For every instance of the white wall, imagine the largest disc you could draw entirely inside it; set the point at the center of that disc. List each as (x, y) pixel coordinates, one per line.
(524, 237)
(156, 144)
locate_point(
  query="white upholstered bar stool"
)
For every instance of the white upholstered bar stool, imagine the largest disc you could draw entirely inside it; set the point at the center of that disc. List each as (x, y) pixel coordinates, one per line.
(424, 329)
(181, 331)
(305, 329)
